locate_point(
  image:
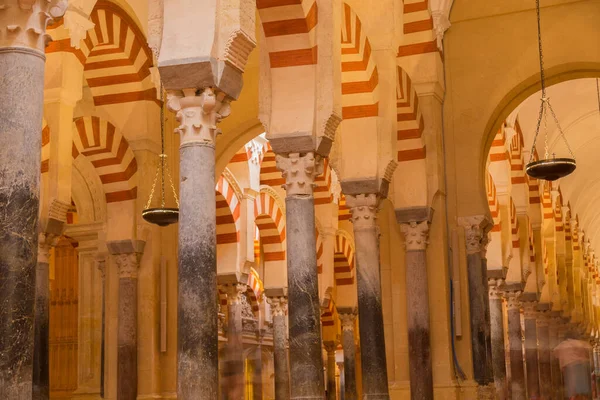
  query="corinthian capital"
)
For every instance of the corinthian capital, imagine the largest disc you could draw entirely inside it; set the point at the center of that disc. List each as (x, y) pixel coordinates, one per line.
(347, 319)
(278, 306)
(45, 242)
(475, 232)
(127, 255)
(416, 235)
(299, 171)
(23, 22)
(363, 208)
(198, 113)
(234, 292)
(513, 300)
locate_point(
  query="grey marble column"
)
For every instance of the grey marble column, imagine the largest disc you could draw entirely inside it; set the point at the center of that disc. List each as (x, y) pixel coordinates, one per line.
(330, 348)
(306, 363)
(348, 318)
(531, 349)
(280, 354)
(233, 365)
(545, 371)
(197, 326)
(475, 227)
(489, 367)
(497, 339)
(368, 282)
(515, 341)
(21, 111)
(342, 381)
(554, 364)
(417, 308)
(127, 255)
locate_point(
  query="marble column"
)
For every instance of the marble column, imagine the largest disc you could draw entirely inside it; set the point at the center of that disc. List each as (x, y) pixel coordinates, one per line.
(474, 236)
(306, 362)
(497, 339)
(127, 255)
(257, 383)
(489, 368)
(545, 371)
(101, 263)
(24, 37)
(531, 349)
(197, 327)
(330, 348)
(417, 308)
(348, 318)
(515, 341)
(41, 352)
(233, 365)
(368, 282)
(597, 368)
(554, 364)
(342, 381)
(280, 355)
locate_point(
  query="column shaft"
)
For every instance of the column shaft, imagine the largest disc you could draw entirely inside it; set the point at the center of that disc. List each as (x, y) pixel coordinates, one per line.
(127, 339)
(419, 346)
(517, 371)
(531, 357)
(497, 340)
(477, 312)
(489, 366)
(233, 369)
(257, 384)
(342, 381)
(545, 372)
(554, 364)
(331, 385)
(280, 354)
(349, 356)
(21, 97)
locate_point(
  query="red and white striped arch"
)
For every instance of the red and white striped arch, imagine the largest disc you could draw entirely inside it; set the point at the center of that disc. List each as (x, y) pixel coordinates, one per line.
(418, 37)
(115, 56)
(343, 266)
(410, 122)
(45, 147)
(228, 213)
(269, 174)
(343, 210)
(319, 251)
(270, 221)
(327, 314)
(493, 204)
(322, 191)
(108, 151)
(359, 73)
(514, 226)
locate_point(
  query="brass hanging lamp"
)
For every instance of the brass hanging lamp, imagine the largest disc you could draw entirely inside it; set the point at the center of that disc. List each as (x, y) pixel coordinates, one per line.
(549, 168)
(162, 216)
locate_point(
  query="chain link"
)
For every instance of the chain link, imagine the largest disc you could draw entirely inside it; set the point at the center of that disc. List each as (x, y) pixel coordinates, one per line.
(152, 190)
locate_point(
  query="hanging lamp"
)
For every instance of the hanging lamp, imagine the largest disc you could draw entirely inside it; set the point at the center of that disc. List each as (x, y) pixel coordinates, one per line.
(162, 216)
(549, 168)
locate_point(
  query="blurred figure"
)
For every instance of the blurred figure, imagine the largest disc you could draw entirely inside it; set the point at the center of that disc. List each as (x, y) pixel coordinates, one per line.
(574, 358)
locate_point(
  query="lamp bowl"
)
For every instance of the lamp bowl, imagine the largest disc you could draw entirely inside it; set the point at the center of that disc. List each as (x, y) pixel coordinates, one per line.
(551, 169)
(161, 216)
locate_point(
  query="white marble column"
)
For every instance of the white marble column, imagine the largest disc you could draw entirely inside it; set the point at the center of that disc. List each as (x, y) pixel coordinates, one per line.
(279, 307)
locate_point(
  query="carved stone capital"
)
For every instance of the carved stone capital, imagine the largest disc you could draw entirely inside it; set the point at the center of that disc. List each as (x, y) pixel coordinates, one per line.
(299, 171)
(128, 264)
(530, 309)
(330, 347)
(416, 235)
(101, 264)
(494, 290)
(475, 232)
(23, 23)
(513, 300)
(363, 208)
(347, 319)
(278, 306)
(235, 292)
(77, 23)
(198, 113)
(441, 23)
(46, 241)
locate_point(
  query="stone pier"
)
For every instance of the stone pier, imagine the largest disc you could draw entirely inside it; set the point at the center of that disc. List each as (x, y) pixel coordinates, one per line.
(127, 255)
(233, 365)
(280, 354)
(348, 318)
(497, 339)
(414, 225)
(330, 348)
(306, 363)
(372, 347)
(198, 113)
(517, 370)
(531, 348)
(21, 108)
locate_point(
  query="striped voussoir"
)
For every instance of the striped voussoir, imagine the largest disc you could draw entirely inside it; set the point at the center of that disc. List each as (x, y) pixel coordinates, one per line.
(290, 32)
(228, 213)
(115, 56)
(517, 162)
(343, 210)
(45, 147)
(492, 197)
(359, 72)
(514, 225)
(322, 191)
(410, 123)
(343, 260)
(269, 174)
(547, 203)
(319, 251)
(108, 151)
(327, 315)
(419, 37)
(270, 221)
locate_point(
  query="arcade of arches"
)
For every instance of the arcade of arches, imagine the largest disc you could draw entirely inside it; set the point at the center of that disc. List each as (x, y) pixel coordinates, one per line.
(355, 220)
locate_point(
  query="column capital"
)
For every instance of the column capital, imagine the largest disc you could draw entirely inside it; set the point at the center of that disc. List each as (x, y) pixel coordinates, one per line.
(347, 319)
(23, 23)
(101, 264)
(495, 290)
(299, 171)
(416, 235)
(127, 254)
(278, 306)
(234, 292)
(530, 309)
(198, 112)
(45, 242)
(363, 208)
(330, 347)
(476, 228)
(513, 299)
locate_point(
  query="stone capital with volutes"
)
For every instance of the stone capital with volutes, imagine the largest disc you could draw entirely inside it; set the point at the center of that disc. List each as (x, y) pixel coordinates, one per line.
(495, 290)
(198, 113)
(530, 309)
(234, 292)
(46, 241)
(347, 319)
(330, 347)
(127, 254)
(363, 208)
(513, 299)
(416, 235)
(476, 228)
(299, 171)
(278, 306)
